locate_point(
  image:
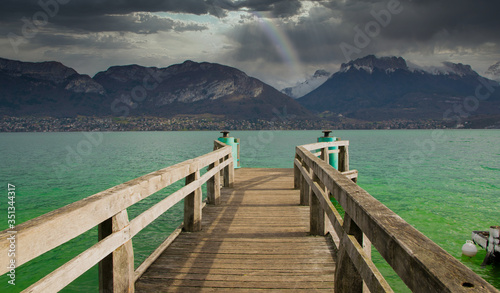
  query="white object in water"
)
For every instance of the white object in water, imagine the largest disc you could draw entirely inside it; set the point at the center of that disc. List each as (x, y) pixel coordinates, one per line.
(469, 248)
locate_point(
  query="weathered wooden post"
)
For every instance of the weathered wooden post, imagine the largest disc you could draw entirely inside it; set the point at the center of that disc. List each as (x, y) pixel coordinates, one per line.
(116, 271)
(213, 185)
(343, 158)
(325, 155)
(229, 172)
(317, 214)
(296, 173)
(493, 242)
(192, 206)
(305, 188)
(237, 140)
(347, 278)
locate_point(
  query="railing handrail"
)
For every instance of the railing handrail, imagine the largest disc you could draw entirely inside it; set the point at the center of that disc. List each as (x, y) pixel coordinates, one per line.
(320, 145)
(420, 263)
(219, 144)
(36, 236)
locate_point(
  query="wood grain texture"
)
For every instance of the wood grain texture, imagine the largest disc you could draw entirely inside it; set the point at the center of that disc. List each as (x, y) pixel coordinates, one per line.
(343, 158)
(305, 188)
(39, 235)
(192, 206)
(123, 259)
(257, 238)
(350, 247)
(213, 185)
(320, 145)
(420, 263)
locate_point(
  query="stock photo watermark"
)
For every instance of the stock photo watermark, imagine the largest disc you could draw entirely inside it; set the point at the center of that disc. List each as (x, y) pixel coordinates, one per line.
(456, 112)
(253, 144)
(137, 95)
(76, 154)
(463, 109)
(32, 25)
(366, 33)
(11, 222)
(424, 149)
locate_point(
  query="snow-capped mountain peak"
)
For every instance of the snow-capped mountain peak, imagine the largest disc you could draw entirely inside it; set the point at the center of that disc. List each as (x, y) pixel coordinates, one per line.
(493, 71)
(307, 86)
(371, 62)
(446, 68)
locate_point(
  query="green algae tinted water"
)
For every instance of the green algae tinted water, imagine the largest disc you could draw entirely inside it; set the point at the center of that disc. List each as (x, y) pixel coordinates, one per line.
(444, 183)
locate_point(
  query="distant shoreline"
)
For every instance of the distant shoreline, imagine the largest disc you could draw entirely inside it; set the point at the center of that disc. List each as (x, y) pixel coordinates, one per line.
(85, 123)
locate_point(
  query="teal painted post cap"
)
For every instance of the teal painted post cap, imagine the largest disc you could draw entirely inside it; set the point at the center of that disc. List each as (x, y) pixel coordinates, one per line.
(334, 157)
(231, 141)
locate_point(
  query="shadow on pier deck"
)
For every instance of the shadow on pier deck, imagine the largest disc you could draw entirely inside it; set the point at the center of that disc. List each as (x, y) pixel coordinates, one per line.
(257, 238)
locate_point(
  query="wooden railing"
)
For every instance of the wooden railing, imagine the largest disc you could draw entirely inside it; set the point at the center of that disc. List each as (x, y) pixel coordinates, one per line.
(108, 211)
(420, 263)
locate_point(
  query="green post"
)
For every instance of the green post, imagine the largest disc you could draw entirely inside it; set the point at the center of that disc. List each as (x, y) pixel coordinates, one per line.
(235, 144)
(333, 158)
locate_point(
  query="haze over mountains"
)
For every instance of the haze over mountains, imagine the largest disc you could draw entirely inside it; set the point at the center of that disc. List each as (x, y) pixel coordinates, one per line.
(365, 89)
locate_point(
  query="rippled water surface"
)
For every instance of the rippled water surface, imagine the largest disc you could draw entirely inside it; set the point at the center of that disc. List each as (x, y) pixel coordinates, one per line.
(444, 183)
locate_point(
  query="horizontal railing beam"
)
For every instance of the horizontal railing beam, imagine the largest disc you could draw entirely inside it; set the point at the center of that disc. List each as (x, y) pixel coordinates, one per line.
(71, 270)
(420, 263)
(320, 145)
(134, 227)
(219, 144)
(151, 214)
(374, 279)
(352, 174)
(48, 231)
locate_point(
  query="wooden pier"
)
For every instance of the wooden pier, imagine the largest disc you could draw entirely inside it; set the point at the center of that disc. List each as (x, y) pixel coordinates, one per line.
(260, 229)
(257, 238)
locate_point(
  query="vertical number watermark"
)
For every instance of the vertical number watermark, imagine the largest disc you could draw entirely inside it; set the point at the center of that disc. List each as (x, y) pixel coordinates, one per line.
(11, 221)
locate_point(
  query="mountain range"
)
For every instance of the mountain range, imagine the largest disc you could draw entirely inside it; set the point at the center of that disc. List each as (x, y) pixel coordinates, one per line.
(365, 89)
(190, 88)
(385, 88)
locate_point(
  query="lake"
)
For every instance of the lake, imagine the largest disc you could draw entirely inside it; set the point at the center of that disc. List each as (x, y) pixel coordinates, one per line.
(445, 183)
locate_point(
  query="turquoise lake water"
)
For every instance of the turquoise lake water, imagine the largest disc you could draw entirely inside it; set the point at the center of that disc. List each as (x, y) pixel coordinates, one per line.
(444, 183)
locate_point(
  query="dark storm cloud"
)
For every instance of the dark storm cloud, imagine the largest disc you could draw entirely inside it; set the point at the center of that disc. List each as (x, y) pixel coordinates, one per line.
(419, 26)
(277, 8)
(92, 21)
(86, 41)
(130, 15)
(312, 39)
(422, 20)
(15, 9)
(316, 30)
(138, 22)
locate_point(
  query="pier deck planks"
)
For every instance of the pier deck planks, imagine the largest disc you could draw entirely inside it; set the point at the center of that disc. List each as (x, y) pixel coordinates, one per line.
(256, 239)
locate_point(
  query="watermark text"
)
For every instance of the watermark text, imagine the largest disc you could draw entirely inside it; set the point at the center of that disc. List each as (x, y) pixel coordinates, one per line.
(11, 221)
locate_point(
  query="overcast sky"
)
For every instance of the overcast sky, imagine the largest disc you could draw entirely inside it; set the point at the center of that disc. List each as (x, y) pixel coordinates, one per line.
(278, 41)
